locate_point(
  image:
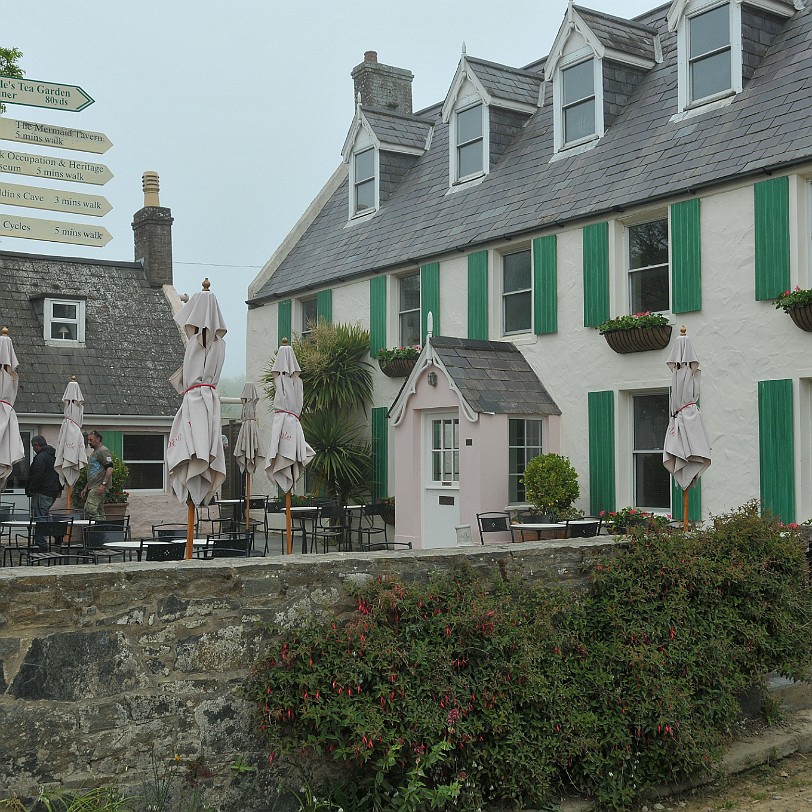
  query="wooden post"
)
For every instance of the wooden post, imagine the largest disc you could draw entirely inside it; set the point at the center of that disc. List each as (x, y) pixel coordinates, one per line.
(685, 510)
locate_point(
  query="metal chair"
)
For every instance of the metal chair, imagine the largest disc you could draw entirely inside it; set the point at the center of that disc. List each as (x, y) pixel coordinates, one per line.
(229, 545)
(587, 527)
(494, 522)
(258, 504)
(59, 559)
(367, 528)
(165, 552)
(122, 523)
(95, 537)
(54, 533)
(331, 528)
(169, 531)
(274, 508)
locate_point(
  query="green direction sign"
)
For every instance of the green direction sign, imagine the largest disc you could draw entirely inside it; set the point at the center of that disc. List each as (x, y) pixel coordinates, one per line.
(50, 135)
(33, 93)
(53, 231)
(34, 197)
(53, 168)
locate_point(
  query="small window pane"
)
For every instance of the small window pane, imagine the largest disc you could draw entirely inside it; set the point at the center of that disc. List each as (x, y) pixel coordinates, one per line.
(64, 332)
(579, 121)
(649, 290)
(365, 195)
(364, 165)
(710, 75)
(469, 124)
(517, 312)
(648, 244)
(64, 311)
(410, 329)
(145, 476)
(710, 31)
(650, 421)
(653, 482)
(517, 271)
(578, 82)
(143, 447)
(410, 292)
(470, 159)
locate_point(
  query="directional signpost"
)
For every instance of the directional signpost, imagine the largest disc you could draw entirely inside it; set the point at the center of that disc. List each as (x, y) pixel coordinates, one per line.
(51, 135)
(33, 93)
(35, 197)
(52, 168)
(53, 231)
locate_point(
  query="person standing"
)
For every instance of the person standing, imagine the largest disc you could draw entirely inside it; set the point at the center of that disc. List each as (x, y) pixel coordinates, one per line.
(43, 484)
(99, 476)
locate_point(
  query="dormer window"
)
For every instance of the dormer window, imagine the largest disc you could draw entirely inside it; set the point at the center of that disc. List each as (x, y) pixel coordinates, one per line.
(470, 129)
(64, 322)
(578, 101)
(709, 54)
(364, 181)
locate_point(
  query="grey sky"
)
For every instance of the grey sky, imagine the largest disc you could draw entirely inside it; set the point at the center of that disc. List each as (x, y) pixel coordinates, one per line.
(242, 108)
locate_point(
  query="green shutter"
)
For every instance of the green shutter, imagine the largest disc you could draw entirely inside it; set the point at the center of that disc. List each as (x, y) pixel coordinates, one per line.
(324, 305)
(694, 501)
(686, 263)
(596, 273)
(477, 295)
(776, 445)
(380, 456)
(601, 407)
(377, 314)
(771, 200)
(114, 440)
(545, 285)
(429, 298)
(283, 321)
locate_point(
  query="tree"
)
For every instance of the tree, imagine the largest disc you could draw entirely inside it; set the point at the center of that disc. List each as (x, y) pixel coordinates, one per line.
(9, 66)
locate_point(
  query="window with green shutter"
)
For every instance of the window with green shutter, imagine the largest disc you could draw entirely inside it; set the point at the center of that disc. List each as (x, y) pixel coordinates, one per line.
(776, 445)
(595, 240)
(686, 264)
(377, 314)
(114, 440)
(694, 501)
(283, 325)
(429, 298)
(478, 295)
(601, 408)
(324, 304)
(771, 202)
(380, 453)
(545, 285)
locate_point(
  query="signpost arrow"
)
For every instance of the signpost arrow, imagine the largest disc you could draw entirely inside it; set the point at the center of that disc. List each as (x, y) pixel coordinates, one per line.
(34, 197)
(51, 135)
(45, 166)
(52, 95)
(53, 231)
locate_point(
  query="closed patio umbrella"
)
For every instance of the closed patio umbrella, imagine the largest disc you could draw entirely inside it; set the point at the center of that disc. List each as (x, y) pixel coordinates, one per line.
(11, 444)
(195, 457)
(288, 451)
(247, 449)
(71, 456)
(686, 450)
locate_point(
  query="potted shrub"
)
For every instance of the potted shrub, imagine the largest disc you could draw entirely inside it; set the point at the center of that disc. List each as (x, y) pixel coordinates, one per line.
(551, 484)
(797, 304)
(388, 512)
(397, 362)
(116, 496)
(636, 333)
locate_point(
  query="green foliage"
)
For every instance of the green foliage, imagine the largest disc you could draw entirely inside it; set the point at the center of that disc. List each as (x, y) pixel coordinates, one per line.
(395, 353)
(503, 692)
(619, 521)
(9, 66)
(793, 298)
(632, 322)
(101, 799)
(550, 483)
(117, 483)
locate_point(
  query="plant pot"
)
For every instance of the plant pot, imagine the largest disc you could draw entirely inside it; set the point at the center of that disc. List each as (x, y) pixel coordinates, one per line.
(802, 316)
(116, 510)
(639, 339)
(388, 515)
(397, 367)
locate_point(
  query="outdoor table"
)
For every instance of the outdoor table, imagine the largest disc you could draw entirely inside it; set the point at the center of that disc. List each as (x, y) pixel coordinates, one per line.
(136, 545)
(539, 528)
(18, 523)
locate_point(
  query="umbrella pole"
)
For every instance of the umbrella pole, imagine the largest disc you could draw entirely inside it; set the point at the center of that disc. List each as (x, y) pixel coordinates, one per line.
(685, 510)
(69, 490)
(247, 501)
(287, 523)
(190, 526)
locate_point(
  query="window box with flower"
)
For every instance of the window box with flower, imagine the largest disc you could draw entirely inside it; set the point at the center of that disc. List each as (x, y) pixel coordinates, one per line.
(638, 332)
(619, 522)
(797, 304)
(397, 362)
(388, 510)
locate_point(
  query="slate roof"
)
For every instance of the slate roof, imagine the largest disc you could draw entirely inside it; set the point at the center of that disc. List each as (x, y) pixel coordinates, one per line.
(507, 83)
(397, 130)
(132, 342)
(493, 376)
(643, 157)
(627, 36)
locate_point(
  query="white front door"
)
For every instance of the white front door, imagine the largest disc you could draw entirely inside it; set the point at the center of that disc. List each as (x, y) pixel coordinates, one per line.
(441, 479)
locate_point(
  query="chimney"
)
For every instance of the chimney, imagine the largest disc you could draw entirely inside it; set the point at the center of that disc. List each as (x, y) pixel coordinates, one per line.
(383, 86)
(152, 229)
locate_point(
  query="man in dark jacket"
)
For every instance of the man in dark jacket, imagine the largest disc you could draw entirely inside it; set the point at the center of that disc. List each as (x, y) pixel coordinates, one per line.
(43, 483)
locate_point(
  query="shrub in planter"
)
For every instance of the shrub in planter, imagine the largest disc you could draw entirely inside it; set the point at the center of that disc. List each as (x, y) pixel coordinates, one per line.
(551, 484)
(116, 494)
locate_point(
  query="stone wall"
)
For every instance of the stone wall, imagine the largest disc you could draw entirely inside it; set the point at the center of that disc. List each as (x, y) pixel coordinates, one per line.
(103, 666)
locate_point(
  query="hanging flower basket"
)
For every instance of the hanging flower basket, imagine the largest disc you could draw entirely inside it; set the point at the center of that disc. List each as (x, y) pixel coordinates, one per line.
(797, 304)
(802, 316)
(396, 367)
(639, 339)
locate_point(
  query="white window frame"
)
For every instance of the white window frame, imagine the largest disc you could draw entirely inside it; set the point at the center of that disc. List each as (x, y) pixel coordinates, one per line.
(305, 330)
(463, 106)
(634, 452)
(401, 311)
(503, 295)
(48, 319)
(354, 212)
(540, 448)
(445, 452)
(694, 9)
(571, 61)
(128, 461)
(651, 217)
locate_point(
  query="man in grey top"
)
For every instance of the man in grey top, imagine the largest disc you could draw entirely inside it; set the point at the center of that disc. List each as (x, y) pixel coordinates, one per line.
(99, 475)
